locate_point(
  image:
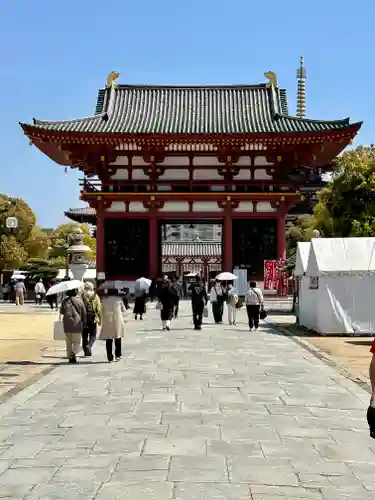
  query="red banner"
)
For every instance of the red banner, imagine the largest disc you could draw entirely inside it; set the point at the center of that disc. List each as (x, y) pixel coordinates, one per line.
(275, 278)
(270, 274)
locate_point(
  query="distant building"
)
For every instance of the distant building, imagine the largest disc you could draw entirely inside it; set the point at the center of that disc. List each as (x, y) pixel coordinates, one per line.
(192, 232)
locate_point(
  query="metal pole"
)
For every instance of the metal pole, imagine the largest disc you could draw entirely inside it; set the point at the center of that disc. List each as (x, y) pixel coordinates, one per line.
(66, 257)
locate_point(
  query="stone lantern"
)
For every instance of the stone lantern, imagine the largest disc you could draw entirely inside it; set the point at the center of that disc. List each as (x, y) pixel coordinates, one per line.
(77, 253)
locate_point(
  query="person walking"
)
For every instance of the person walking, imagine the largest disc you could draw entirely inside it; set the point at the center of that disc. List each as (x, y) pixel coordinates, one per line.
(40, 292)
(167, 299)
(93, 317)
(73, 311)
(139, 303)
(199, 300)
(217, 301)
(254, 301)
(232, 301)
(52, 299)
(178, 289)
(113, 323)
(20, 290)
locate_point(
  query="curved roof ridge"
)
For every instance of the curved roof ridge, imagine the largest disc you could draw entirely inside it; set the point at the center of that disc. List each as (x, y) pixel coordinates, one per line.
(103, 116)
(343, 121)
(191, 86)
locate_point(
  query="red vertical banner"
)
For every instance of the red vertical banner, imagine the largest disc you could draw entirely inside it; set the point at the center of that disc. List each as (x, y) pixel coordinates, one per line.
(275, 278)
(269, 274)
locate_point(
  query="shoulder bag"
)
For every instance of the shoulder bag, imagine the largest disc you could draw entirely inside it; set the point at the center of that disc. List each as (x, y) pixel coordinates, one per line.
(262, 311)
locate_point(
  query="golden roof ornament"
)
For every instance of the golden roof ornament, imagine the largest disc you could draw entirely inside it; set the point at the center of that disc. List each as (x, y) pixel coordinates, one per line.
(272, 78)
(111, 78)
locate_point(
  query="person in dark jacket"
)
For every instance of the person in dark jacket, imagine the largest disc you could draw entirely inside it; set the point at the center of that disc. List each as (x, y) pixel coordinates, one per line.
(93, 317)
(198, 300)
(167, 298)
(176, 285)
(140, 304)
(74, 315)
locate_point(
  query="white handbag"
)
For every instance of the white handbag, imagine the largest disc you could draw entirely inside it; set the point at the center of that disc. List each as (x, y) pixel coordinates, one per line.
(58, 330)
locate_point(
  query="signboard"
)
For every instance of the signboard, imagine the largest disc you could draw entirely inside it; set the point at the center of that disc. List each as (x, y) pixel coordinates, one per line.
(241, 282)
(270, 275)
(275, 279)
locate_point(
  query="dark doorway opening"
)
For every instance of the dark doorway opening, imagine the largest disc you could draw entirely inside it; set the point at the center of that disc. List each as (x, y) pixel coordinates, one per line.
(254, 241)
(126, 247)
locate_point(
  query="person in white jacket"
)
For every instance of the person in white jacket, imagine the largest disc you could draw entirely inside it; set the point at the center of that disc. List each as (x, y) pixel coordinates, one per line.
(232, 304)
(254, 301)
(40, 291)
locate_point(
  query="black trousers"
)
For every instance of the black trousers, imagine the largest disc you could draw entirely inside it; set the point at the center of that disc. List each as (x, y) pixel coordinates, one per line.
(253, 315)
(198, 308)
(88, 336)
(109, 348)
(176, 308)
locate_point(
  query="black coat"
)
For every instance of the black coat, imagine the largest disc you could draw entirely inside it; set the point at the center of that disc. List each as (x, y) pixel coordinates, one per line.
(198, 294)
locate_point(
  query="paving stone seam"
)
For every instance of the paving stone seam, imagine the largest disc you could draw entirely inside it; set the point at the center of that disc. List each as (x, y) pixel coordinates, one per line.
(323, 356)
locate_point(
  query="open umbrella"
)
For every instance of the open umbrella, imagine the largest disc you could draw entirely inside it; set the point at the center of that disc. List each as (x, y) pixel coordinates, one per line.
(143, 284)
(112, 285)
(65, 286)
(18, 277)
(226, 277)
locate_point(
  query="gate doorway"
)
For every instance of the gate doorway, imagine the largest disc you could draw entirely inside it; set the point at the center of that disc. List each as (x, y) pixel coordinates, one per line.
(191, 247)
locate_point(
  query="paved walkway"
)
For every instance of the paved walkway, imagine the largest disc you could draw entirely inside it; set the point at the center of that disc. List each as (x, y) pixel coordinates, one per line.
(220, 414)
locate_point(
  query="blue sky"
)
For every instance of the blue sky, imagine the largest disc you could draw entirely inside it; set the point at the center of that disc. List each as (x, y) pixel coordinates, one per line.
(55, 55)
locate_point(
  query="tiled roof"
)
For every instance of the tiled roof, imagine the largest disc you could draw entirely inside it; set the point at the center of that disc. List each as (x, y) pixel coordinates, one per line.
(205, 109)
(84, 214)
(196, 249)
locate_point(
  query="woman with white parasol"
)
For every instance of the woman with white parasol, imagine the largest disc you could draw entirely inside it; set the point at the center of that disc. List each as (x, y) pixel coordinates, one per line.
(141, 289)
(74, 315)
(217, 295)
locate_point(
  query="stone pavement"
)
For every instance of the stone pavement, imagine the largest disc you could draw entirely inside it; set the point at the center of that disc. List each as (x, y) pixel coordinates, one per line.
(217, 414)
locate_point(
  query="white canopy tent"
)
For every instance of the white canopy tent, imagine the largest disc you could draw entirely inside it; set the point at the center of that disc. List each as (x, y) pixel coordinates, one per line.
(338, 296)
(302, 256)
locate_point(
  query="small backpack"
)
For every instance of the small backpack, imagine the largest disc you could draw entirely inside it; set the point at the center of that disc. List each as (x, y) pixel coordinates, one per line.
(90, 310)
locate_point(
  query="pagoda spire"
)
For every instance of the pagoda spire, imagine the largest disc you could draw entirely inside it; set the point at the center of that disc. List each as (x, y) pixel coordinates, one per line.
(301, 90)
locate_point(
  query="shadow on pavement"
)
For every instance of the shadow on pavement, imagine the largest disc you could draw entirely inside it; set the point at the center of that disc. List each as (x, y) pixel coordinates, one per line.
(53, 363)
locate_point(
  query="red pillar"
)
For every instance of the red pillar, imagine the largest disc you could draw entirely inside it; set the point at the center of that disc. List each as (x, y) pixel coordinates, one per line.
(281, 243)
(100, 244)
(228, 243)
(153, 246)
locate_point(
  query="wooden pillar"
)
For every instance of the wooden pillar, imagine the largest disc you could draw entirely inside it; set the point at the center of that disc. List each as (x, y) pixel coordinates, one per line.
(153, 246)
(228, 242)
(100, 243)
(281, 243)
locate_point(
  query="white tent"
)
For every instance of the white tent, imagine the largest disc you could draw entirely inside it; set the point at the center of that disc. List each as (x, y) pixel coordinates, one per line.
(339, 294)
(302, 256)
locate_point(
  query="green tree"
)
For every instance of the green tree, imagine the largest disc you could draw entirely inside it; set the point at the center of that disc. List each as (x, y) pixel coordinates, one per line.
(346, 207)
(60, 237)
(37, 244)
(301, 231)
(12, 253)
(17, 207)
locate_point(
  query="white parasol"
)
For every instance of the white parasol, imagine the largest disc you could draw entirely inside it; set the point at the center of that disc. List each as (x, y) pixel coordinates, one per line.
(226, 277)
(143, 283)
(65, 286)
(18, 277)
(112, 285)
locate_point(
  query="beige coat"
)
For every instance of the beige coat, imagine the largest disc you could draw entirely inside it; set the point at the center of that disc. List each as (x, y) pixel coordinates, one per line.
(113, 322)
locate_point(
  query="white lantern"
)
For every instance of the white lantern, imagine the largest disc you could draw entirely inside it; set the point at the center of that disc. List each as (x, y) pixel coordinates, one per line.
(11, 222)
